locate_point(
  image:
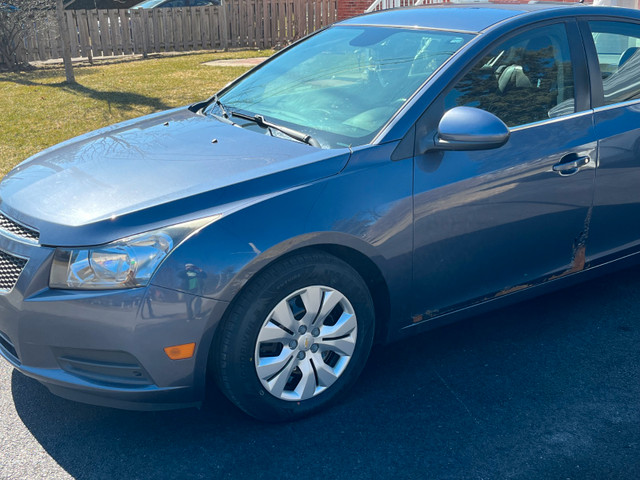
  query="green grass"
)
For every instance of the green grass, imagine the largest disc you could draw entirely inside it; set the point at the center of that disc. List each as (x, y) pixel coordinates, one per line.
(38, 109)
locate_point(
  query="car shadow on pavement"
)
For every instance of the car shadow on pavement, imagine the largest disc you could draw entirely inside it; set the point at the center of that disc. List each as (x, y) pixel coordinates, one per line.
(549, 388)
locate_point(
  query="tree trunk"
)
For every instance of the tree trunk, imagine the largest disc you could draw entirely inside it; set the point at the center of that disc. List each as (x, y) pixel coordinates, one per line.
(6, 60)
(66, 42)
(225, 26)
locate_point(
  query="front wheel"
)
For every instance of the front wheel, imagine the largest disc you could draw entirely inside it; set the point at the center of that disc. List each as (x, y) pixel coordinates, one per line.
(296, 338)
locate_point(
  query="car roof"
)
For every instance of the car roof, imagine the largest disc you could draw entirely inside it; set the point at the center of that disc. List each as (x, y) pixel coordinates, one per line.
(472, 17)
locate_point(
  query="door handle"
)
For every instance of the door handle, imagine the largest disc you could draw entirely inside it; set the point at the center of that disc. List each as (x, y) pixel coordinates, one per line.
(571, 164)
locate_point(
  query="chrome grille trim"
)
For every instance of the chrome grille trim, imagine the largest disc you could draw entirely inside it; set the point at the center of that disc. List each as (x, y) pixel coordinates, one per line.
(15, 229)
(10, 269)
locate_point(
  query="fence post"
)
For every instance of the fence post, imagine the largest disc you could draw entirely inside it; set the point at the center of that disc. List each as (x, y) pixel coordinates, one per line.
(145, 33)
(85, 40)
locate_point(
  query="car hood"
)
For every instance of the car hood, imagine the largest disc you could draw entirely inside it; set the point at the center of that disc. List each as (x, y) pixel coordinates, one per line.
(156, 160)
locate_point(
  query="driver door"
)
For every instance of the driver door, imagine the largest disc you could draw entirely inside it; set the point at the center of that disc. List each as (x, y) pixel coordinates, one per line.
(489, 223)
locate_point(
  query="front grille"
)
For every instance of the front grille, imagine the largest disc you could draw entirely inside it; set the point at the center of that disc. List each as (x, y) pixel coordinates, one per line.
(18, 230)
(10, 269)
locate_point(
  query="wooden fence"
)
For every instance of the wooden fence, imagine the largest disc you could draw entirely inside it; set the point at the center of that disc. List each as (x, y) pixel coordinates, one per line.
(236, 24)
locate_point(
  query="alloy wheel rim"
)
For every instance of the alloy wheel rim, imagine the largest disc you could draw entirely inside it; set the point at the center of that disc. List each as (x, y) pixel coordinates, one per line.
(305, 343)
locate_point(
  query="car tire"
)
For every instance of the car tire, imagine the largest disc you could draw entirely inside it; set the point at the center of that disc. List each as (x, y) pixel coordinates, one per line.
(296, 337)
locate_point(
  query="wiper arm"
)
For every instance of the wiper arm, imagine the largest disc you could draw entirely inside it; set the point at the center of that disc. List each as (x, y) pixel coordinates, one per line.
(295, 134)
(225, 114)
(217, 102)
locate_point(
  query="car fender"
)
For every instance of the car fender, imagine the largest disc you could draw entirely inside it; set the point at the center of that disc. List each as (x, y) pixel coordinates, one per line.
(366, 211)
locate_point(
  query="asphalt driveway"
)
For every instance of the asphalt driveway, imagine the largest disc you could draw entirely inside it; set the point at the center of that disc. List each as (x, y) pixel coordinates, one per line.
(544, 389)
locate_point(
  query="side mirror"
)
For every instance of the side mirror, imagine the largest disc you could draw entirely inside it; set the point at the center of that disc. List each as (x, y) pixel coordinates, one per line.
(467, 128)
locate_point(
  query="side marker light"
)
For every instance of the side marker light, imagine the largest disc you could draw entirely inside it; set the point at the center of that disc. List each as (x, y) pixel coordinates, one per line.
(180, 352)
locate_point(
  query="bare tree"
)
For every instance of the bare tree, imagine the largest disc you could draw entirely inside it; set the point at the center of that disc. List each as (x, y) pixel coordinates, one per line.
(17, 19)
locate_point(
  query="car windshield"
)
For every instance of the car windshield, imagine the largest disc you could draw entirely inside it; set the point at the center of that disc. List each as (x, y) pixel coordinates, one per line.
(342, 85)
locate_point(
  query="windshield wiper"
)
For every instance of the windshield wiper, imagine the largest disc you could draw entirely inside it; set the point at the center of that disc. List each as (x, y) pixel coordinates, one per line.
(223, 110)
(225, 114)
(295, 134)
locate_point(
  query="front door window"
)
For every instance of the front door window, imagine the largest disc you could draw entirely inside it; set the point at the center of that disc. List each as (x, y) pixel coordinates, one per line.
(526, 79)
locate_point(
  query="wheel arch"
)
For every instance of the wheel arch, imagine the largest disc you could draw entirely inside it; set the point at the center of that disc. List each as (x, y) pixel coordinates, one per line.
(364, 266)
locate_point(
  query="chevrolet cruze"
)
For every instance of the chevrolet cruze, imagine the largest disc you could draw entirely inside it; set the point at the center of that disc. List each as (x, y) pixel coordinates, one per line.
(388, 174)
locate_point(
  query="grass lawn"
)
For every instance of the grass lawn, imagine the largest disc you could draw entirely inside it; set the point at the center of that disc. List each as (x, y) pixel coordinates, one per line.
(37, 109)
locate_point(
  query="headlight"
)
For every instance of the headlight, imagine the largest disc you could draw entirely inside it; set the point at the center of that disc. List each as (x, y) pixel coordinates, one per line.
(126, 263)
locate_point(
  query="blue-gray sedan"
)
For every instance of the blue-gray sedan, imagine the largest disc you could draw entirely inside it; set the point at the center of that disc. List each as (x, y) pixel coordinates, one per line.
(386, 175)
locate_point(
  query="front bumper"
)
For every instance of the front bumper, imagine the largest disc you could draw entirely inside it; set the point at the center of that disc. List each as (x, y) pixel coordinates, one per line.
(105, 347)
